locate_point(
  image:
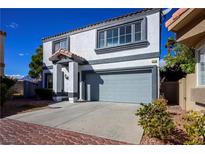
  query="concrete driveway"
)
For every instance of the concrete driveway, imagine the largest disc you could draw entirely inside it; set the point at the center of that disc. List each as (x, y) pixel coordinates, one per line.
(114, 121)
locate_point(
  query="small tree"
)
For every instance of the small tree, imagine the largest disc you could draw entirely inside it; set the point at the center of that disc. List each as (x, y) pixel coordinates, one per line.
(179, 61)
(5, 93)
(36, 65)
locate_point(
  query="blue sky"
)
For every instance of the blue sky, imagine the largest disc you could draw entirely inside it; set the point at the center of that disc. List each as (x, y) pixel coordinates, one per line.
(26, 27)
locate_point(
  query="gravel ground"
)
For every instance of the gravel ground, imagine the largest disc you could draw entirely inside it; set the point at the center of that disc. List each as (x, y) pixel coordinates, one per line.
(178, 137)
(21, 105)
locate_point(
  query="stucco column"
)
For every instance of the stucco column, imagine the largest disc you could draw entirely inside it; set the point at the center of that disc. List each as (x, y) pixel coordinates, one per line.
(81, 90)
(57, 82)
(73, 82)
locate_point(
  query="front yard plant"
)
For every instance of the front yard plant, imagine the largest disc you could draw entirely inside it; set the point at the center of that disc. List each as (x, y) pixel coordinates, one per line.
(5, 91)
(5, 85)
(44, 93)
(155, 119)
(195, 127)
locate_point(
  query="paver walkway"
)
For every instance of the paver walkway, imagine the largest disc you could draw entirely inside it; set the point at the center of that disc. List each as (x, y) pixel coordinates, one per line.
(16, 132)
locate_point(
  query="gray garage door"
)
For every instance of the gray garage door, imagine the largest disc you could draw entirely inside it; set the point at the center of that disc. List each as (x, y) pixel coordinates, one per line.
(131, 87)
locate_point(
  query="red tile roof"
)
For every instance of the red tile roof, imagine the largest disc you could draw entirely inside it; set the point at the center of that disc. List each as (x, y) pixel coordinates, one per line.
(106, 21)
(175, 16)
(65, 53)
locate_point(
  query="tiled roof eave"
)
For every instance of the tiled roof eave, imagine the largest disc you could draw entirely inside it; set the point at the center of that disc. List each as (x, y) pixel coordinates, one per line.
(175, 16)
(103, 22)
(66, 54)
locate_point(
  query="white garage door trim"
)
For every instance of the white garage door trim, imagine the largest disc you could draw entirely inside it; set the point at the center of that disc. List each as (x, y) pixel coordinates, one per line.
(153, 70)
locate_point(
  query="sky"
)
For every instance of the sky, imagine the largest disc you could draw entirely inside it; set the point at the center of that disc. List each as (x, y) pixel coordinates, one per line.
(26, 27)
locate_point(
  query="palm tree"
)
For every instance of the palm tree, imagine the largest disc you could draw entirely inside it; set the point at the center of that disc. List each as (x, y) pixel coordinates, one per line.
(170, 44)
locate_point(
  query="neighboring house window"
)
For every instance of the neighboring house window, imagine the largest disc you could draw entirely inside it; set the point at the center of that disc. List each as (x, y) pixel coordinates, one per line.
(202, 67)
(62, 44)
(120, 35)
(48, 80)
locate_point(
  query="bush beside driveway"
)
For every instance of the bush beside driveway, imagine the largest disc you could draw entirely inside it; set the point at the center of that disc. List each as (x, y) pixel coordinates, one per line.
(178, 137)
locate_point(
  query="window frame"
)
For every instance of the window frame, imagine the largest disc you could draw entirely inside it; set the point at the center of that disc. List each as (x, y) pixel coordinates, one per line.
(137, 31)
(132, 23)
(59, 41)
(202, 51)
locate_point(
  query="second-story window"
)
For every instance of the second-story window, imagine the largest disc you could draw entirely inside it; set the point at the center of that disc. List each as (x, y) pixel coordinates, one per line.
(101, 39)
(112, 37)
(62, 44)
(120, 35)
(138, 31)
(125, 34)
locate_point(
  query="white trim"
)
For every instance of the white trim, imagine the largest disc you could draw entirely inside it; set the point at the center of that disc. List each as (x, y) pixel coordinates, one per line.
(118, 26)
(197, 67)
(198, 51)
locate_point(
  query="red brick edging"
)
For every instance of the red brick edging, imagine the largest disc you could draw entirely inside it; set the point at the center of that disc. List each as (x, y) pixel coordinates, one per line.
(17, 132)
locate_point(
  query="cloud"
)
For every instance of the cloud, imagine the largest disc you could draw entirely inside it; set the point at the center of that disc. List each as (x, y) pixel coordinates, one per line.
(16, 76)
(162, 63)
(12, 25)
(21, 54)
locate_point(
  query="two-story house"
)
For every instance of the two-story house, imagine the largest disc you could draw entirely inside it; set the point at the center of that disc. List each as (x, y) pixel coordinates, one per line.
(116, 60)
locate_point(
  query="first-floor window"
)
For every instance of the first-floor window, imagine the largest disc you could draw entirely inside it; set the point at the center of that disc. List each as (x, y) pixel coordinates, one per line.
(48, 80)
(201, 70)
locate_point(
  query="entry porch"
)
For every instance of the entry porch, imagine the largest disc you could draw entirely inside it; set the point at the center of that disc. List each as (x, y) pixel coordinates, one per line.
(67, 79)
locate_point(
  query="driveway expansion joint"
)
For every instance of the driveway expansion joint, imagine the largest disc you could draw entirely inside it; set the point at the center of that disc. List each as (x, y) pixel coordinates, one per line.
(75, 118)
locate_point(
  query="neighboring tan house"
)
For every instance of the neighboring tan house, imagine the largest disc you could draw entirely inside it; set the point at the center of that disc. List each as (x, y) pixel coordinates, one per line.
(115, 60)
(2, 37)
(189, 26)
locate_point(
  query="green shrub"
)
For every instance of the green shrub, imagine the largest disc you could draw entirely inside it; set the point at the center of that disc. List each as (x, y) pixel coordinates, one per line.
(195, 127)
(43, 93)
(5, 85)
(155, 119)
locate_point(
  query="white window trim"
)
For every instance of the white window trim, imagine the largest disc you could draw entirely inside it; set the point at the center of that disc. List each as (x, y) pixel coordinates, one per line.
(58, 41)
(143, 33)
(197, 66)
